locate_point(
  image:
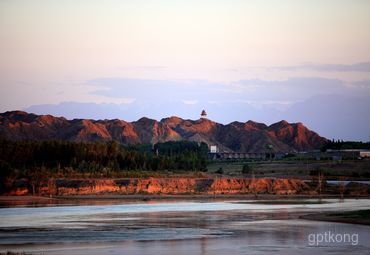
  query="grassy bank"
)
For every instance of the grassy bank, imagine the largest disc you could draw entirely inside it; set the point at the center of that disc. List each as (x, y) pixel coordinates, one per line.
(304, 169)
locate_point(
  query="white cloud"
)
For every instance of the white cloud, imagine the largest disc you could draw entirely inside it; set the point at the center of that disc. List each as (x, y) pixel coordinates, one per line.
(357, 67)
(189, 102)
(123, 100)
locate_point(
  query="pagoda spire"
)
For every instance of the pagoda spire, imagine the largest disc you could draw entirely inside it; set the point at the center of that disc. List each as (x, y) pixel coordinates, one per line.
(203, 114)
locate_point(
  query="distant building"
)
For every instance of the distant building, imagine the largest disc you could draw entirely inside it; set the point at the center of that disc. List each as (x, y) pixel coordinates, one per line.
(364, 154)
(203, 114)
(349, 153)
(213, 149)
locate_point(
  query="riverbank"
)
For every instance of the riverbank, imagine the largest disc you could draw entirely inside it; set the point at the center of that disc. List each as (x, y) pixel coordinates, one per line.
(181, 188)
(353, 217)
(36, 201)
(163, 186)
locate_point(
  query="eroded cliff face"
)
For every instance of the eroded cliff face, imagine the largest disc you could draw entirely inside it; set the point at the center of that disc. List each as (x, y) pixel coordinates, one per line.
(63, 187)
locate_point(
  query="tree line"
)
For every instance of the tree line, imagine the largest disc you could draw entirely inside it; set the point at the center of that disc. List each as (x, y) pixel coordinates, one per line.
(31, 158)
(345, 145)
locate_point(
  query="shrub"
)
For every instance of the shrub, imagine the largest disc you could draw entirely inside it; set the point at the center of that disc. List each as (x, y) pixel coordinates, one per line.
(247, 168)
(220, 171)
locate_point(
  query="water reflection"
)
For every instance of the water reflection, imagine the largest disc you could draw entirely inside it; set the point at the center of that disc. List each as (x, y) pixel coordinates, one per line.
(239, 227)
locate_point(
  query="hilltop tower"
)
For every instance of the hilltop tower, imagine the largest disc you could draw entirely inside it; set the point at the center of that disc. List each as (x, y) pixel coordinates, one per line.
(203, 115)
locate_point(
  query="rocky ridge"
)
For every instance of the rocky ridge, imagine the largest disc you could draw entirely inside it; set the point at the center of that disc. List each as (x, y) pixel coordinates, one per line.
(234, 137)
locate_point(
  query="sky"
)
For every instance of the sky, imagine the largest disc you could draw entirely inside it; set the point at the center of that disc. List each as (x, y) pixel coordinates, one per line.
(303, 61)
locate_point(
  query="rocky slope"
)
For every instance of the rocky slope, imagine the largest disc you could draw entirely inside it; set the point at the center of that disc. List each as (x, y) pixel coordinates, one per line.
(234, 137)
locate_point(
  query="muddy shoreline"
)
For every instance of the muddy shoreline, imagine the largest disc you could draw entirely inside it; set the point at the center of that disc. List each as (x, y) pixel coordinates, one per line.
(10, 201)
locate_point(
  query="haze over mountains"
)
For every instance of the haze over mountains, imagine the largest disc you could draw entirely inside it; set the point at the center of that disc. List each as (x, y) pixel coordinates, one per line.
(234, 137)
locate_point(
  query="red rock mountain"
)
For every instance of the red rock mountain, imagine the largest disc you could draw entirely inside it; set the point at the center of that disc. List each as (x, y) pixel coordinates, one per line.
(234, 137)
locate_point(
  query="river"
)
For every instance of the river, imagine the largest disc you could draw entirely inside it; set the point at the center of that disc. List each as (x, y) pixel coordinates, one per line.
(182, 227)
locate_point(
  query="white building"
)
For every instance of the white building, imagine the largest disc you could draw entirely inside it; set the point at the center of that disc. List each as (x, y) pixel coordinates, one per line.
(365, 154)
(213, 149)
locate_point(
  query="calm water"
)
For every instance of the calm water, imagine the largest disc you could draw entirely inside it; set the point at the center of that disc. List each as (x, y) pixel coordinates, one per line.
(230, 227)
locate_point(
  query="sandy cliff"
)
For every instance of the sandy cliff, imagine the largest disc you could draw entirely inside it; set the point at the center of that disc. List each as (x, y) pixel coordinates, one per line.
(63, 187)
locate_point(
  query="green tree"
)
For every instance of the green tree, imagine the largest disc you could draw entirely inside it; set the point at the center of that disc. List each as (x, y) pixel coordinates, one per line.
(247, 168)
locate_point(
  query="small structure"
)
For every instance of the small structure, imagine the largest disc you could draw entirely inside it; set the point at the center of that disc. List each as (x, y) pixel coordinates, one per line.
(365, 154)
(213, 149)
(203, 114)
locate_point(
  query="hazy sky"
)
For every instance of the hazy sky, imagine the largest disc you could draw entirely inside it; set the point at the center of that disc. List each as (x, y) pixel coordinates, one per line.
(240, 60)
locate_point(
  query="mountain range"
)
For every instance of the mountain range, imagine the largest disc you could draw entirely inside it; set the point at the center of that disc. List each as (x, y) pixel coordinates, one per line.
(234, 137)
